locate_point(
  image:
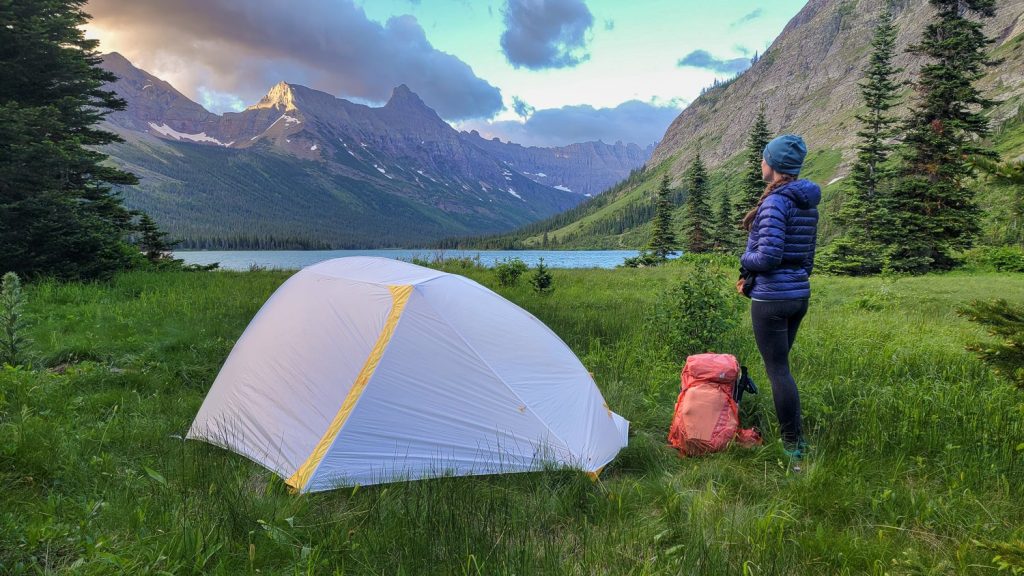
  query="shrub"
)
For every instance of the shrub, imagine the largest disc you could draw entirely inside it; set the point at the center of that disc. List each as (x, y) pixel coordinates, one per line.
(693, 315)
(1005, 322)
(541, 280)
(998, 258)
(509, 271)
(12, 321)
(643, 260)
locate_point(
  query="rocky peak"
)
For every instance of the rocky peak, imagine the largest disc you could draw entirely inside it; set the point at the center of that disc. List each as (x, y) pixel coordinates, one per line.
(403, 97)
(281, 96)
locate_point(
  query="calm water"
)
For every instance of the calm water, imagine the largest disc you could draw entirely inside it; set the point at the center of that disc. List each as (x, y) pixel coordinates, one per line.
(294, 259)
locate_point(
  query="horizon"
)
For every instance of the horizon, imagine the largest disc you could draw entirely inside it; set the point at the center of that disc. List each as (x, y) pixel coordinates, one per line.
(535, 74)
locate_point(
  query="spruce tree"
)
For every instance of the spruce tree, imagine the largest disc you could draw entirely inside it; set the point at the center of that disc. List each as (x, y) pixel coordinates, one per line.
(753, 182)
(58, 214)
(698, 220)
(859, 250)
(13, 341)
(663, 238)
(934, 212)
(723, 234)
(542, 281)
(152, 241)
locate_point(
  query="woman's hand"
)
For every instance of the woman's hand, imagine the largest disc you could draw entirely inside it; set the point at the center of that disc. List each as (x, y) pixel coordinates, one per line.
(739, 286)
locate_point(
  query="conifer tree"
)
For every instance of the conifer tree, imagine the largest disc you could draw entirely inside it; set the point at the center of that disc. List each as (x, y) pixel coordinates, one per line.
(152, 241)
(663, 238)
(860, 249)
(723, 234)
(58, 214)
(698, 220)
(933, 211)
(12, 321)
(753, 183)
(542, 280)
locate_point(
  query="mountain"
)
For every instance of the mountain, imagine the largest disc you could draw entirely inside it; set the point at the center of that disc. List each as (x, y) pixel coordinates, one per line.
(808, 81)
(304, 168)
(587, 168)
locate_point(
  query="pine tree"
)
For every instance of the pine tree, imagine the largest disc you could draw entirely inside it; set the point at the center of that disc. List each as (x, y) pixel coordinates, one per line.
(933, 211)
(12, 321)
(723, 234)
(698, 212)
(152, 241)
(753, 183)
(58, 214)
(542, 281)
(859, 250)
(1006, 322)
(663, 238)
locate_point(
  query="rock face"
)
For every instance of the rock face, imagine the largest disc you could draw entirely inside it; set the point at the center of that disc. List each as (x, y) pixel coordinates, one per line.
(402, 148)
(587, 168)
(151, 99)
(808, 80)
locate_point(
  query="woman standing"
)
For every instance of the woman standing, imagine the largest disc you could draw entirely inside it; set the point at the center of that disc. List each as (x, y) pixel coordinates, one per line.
(779, 258)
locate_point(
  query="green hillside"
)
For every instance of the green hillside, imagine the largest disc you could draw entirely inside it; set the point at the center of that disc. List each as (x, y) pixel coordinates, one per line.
(259, 199)
(619, 218)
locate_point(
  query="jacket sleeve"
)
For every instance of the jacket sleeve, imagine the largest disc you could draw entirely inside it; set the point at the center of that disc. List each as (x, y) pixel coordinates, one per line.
(770, 224)
(809, 260)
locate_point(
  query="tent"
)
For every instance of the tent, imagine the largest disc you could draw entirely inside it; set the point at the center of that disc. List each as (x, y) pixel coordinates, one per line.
(368, 370)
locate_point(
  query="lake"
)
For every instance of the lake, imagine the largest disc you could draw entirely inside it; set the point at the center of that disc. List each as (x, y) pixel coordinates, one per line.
(295, 259)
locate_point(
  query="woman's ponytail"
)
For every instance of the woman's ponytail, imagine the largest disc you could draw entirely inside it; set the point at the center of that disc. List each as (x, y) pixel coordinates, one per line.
(783, 179)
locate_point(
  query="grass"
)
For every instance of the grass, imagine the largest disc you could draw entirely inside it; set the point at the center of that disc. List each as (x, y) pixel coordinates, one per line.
(918, 449)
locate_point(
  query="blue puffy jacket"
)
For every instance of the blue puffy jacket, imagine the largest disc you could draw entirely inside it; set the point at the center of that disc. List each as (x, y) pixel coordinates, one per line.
(780, 249)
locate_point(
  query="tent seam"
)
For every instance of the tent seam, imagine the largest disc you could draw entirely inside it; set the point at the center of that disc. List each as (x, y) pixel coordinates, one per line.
(400, 294)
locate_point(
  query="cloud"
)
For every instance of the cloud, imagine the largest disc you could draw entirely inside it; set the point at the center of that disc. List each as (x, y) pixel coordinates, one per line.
(754, 15)
(634, 121)
(609, 25)
(704, 59)
(546, 33)
(242, 48)
(521, 107)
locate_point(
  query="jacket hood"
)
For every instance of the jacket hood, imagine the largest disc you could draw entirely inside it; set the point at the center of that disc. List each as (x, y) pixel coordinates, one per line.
(804, 193)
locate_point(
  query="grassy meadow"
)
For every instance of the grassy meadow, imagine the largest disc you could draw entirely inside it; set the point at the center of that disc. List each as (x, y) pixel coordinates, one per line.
(918, 450)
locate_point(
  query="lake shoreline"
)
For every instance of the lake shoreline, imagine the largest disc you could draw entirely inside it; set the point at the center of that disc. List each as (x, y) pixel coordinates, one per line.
(296, 259)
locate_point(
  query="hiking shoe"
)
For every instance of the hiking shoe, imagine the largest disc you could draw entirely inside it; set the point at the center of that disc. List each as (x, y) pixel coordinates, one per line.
(796, 451)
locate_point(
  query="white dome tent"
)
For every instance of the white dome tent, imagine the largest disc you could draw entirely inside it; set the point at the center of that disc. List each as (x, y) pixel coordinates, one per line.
(368, 370)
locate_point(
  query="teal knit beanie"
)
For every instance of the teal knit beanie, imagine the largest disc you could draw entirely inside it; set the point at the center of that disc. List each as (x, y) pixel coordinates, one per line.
(786, 154)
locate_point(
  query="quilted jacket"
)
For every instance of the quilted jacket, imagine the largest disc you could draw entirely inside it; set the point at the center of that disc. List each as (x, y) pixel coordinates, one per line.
(780, 248)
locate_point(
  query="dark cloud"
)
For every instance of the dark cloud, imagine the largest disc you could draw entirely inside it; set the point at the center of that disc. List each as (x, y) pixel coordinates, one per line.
(634, 121)
(546, 33)
(704, 59)
(754, 15)
(521, 107)
(242, 47)
(742, 49)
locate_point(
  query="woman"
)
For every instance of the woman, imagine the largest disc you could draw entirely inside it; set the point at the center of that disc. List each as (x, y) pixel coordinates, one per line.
(779, 258)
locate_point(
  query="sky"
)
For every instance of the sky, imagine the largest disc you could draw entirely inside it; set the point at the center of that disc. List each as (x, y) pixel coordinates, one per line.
(535, 72)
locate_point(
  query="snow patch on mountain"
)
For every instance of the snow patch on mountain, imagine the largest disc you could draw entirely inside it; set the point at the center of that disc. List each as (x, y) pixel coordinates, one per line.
(171, 132)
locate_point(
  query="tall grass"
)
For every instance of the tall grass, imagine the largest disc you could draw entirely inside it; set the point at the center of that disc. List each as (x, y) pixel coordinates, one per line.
(916, 447)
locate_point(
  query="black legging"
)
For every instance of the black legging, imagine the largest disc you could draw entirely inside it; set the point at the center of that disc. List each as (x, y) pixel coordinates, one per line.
(775, 325)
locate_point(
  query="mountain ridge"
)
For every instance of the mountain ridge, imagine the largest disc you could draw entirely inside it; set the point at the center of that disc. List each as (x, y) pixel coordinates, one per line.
(402, 149)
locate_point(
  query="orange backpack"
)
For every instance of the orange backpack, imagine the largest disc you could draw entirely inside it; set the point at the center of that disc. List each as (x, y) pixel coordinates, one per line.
(707, 417)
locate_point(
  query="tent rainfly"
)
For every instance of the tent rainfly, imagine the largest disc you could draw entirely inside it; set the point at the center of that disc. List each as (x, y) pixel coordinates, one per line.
(369, 370)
